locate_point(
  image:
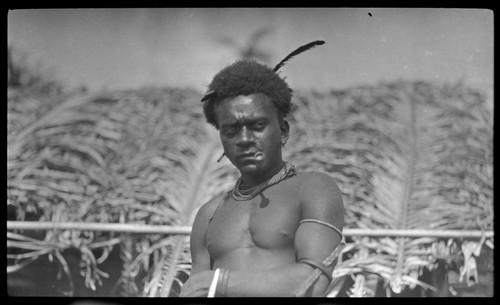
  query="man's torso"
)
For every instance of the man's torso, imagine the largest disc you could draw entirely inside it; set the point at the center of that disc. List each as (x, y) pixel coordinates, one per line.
(259, 233)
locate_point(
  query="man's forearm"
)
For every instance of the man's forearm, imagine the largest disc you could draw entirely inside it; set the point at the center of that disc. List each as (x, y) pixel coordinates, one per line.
(279, 282)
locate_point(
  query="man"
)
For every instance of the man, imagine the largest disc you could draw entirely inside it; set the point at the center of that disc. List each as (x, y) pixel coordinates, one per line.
(267, 235)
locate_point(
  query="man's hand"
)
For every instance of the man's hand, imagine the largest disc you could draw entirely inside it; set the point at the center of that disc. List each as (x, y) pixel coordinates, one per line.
(198, 284)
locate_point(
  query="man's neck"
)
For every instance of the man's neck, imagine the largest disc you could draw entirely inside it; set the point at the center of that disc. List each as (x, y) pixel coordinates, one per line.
(253, 180)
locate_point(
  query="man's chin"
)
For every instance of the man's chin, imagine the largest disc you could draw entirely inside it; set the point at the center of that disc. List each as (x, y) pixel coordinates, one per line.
(248, 167)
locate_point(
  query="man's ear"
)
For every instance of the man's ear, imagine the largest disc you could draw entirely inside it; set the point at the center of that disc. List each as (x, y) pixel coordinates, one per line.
(285, 131)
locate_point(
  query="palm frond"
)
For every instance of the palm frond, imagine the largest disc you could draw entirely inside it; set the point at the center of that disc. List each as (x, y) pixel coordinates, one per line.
(193, 178)
(93, 159)
(406, 156)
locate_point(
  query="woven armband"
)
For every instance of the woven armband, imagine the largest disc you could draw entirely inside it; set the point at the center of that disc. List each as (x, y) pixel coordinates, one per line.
(317, 265)
(222, 284)
(322, 223)
(213, 285)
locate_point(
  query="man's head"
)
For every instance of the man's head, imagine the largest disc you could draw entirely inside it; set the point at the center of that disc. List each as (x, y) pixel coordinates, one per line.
(246, 77)
(252, 135)
(248, 106)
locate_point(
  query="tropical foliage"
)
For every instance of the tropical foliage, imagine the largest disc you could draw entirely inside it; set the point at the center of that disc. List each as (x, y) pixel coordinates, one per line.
(407, 155)
(139, 157)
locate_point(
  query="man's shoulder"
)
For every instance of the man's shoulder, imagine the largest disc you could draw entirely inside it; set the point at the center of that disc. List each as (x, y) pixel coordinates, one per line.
(318, 186)
(208, 208)
(313, 179)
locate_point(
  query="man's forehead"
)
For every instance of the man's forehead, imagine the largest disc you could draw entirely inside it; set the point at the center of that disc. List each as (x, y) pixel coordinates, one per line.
(254, 103)
(254, 97)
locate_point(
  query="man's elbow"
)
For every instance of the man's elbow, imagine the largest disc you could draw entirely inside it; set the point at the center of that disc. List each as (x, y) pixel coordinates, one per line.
(318, 288)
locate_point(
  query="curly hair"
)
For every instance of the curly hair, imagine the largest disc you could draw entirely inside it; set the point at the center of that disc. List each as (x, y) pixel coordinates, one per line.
(245, 77)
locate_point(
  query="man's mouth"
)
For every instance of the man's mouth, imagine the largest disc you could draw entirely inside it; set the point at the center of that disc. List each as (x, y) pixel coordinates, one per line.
(251, 155)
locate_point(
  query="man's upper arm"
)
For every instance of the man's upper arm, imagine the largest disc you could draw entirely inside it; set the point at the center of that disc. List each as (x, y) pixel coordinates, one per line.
(199, 252)
(320, 200)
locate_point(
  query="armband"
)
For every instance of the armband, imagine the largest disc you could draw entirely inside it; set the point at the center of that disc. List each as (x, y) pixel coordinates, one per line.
(222, 284)
(317, 265)
(322, 223)
(213, 285)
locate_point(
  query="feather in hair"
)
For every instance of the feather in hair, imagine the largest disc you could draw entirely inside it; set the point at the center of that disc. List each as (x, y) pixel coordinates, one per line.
(209, 95)
(298, 51)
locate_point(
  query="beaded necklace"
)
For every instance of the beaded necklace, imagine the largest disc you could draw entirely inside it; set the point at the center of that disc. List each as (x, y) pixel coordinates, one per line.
(238, 194)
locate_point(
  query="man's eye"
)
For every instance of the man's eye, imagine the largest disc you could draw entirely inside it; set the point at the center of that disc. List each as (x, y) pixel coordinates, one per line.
(260, 125)
(231, 129)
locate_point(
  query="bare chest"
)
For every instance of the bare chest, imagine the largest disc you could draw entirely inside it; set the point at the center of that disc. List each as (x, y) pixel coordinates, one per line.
(268, 221)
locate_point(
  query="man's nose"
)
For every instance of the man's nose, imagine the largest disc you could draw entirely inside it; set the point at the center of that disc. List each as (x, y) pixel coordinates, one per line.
(246, 137)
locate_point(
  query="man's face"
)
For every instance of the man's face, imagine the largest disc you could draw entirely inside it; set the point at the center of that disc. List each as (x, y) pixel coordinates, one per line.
(251, 134)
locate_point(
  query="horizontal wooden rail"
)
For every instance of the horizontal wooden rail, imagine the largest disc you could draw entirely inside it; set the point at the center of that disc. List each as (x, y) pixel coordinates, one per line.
(96, 226)
(185, 230)
(418, 233)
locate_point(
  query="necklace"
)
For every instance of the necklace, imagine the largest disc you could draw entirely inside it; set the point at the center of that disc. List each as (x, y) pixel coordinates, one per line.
(287, 171)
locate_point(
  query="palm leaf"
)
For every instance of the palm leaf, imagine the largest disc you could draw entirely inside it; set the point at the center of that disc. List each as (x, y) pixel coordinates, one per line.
(406, 156)
(193, 178)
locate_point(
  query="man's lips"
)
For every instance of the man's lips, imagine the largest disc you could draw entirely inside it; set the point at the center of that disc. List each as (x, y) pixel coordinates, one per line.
(246, 155)
(250, 155)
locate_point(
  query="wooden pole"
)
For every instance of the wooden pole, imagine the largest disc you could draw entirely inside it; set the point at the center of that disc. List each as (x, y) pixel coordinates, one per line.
(418, 233)
(186, 230)
(93, 226)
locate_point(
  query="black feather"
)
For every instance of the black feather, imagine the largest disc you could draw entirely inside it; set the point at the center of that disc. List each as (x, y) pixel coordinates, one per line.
(298, 51)
(209, 95)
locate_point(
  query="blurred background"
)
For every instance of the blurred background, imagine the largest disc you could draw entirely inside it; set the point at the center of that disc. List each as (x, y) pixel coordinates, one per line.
(131, 48)
(105, 127)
